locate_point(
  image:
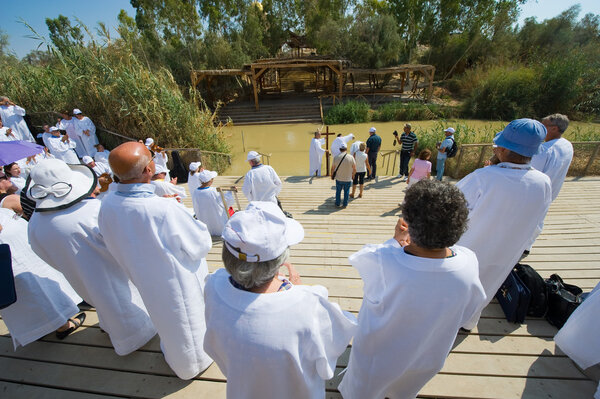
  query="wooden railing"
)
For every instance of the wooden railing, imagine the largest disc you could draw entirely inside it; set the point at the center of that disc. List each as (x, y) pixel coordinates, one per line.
(266, 158)
(386, 158)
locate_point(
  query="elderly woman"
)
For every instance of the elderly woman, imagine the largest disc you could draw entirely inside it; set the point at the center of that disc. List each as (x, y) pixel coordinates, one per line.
(271, 337)
(419, 289)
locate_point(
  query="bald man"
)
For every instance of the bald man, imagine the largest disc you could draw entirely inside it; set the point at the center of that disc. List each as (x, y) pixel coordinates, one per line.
(163, 249)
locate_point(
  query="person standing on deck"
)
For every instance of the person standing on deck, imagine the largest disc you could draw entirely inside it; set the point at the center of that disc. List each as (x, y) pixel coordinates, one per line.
(337, 143)
(163, 249)
(62, 147)
(86, 131)
(67, 123)
(261, 182)
(507, 202)
(442, 148)
(315, 155)
(12, 117)
(373, 146)
(409, 145)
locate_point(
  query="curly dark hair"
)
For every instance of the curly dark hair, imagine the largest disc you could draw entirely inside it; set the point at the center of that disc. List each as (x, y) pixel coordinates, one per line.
(436, 214)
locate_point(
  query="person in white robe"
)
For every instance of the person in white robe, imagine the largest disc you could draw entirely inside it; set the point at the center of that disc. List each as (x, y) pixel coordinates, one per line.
(62, 147)
(163, 249)
(193, 182)
(6, 133)
(272, 337)
(46, 135)
(315, 155)
(405, 335)
(86, 132)
(68, 124)
(165, 188)
(507, 204)
(12, 117)
(64, 232)
(208, 204)
(98, 167)
(45, 300)
(101, 154)
(337, 143)
(261, 182)
(355, 147)
(160, 156)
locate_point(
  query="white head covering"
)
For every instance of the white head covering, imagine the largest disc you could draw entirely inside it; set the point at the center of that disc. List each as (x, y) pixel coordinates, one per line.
(253, 155)
(261, 232)
(87, 159)
(372, 130)
(54, 129)
(450, 130)
(195, 165)
(149, 142)
(77, 111)
(207, 175)
(55, 185)
(159, 169)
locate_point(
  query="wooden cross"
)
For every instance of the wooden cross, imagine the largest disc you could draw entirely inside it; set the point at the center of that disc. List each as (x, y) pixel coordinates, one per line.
(327, 134)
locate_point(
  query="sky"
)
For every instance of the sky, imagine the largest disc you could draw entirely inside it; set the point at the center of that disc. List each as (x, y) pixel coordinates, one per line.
(90, 12)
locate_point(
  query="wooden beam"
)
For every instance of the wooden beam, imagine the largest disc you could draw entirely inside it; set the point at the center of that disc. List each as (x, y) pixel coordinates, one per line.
(255, 89)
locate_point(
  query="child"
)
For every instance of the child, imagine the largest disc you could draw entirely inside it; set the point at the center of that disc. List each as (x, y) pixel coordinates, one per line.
(421, 169)
(362, 166)
(416, 297)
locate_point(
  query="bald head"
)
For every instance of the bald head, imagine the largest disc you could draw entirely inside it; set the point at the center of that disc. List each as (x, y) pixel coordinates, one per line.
(132, 163)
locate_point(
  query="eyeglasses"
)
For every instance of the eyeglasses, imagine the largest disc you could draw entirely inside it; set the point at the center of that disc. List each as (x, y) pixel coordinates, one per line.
(60, 189)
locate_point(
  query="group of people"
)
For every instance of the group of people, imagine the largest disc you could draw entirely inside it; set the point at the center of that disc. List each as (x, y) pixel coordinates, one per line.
(140, 259)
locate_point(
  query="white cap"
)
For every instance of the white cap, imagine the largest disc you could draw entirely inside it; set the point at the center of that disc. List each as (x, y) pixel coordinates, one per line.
(160, 169)
(87, 159)
(54, 129)
(253, 155)
(195, 165)
(149, 142)
(343, 146)
(77, 111)
(207, 175)
(450, 130)
(372, 130)
(261, 232)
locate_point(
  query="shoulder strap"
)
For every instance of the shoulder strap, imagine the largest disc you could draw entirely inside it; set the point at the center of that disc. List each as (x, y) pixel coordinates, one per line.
(339, 164)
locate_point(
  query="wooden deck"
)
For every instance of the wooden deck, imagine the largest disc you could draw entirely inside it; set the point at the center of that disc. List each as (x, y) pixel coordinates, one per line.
(496, 360)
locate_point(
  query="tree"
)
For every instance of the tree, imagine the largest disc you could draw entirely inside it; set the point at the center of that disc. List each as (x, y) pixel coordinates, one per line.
(374, 41)
(63, 35)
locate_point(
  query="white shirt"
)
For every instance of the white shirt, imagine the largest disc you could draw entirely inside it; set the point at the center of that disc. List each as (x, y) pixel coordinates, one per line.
(507, 202)
(4, 136)
(101, 168)
(315, 156)
(277, 345)
(208, 207)
(12, 117)
(355, 147)
(19, 182)
(193, 182)
(167, 188)
(360, 158)
(337, 143)
(71, 242)
(412, 310)
(70, 126)
(45, 300)
(261, 183)
(101, 156)
(162, 248)
(90, 141)
(63, 150)
(554, 160)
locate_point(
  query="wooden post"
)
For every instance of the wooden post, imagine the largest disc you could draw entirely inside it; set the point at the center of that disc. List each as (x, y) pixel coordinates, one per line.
(591, 161)
(430, 88)
(481, 155)
(327, 134)
(255, 88)
(459, 161)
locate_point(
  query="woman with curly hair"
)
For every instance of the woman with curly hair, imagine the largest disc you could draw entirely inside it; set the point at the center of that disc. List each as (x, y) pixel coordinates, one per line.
(419, 289)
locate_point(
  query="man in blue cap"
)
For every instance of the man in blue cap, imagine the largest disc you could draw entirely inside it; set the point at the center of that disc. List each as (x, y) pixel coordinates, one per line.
(507, 202)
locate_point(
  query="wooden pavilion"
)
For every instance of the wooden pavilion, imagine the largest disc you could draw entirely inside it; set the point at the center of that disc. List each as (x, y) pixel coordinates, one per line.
(325, 75)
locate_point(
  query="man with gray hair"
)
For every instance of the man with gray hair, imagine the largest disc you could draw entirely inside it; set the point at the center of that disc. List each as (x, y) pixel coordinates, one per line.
(12, 117)
(261, 182)
(163, 249)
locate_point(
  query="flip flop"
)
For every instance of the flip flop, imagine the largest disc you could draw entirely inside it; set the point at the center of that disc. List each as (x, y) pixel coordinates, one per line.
(77, 321)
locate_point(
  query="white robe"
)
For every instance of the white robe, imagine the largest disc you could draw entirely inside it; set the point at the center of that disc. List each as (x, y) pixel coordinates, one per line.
(412, 310)
(278, 345)
(163, 249)
(88, 142)
(102, 157)
(167, 188)
(7, 137)
(337, 143)
(71, 242)
(63, 150)
(554, 160)
(18, 182)
(12, 117)
(578, 338)
(507, 204)
(208, 207)
(193, 182)
(101, 168)
(161, 159)
(45, 300)
(69, 126)
(315, 155)
(355, 147)
(261, 183)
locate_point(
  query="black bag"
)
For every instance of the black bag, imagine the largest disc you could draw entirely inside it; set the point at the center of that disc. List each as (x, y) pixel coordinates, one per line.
(452, 150)
(537, 287)
(514, 298)
(563, 299)
(8, 295)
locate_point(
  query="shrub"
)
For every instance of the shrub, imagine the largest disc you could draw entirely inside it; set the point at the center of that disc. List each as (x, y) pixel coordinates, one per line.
(348, 112)
(399, 111)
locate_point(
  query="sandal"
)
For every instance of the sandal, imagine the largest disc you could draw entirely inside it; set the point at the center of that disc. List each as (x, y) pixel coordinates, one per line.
(77, 322)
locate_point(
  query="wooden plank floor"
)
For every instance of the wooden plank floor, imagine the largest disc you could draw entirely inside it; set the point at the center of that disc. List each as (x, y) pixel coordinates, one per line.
(496, 360)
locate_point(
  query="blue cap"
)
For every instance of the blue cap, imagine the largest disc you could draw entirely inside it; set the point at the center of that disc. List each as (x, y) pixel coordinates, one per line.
(522, 136)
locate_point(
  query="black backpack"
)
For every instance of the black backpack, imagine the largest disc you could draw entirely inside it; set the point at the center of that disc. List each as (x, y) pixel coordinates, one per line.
(538, 306)
(452, 150)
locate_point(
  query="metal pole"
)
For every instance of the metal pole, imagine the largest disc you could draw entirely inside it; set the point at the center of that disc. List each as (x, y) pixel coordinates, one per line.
(243, 142)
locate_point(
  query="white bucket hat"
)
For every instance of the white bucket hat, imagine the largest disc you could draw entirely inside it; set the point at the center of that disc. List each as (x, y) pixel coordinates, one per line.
(195, 165)
(160, 169)
(86, 159)
(149, 141)
(77, 111)
(207, 175)
(261, 232)
(54, 185)
(252, 155)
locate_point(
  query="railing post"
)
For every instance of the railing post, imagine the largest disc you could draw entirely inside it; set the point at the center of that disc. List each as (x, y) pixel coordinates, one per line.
(481, 155)
(394, 167)
(459, 161)
(592, 158)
